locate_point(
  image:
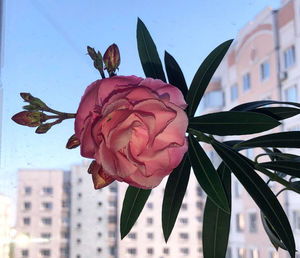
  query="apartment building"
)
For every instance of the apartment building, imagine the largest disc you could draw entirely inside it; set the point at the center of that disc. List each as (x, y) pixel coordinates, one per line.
(5, 225)
(262, 64)
(146, 237)
(42, 226)
(94, 221)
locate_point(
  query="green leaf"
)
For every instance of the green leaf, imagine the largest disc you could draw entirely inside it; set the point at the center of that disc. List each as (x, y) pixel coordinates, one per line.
(216, 222)
(133, 204)
(173, 196)
(278, 113)
(283, 139)
(255, 104)
(289, 167)
(175, 75)
(233, 123)
(260, 193)
(274, 238)
(203, 76)
(148, 53)
(206, 174)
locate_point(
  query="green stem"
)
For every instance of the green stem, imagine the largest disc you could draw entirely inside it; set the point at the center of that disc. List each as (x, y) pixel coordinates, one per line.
(201, 137)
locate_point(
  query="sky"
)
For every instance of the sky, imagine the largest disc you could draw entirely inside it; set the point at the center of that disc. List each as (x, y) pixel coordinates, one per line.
(45, 54)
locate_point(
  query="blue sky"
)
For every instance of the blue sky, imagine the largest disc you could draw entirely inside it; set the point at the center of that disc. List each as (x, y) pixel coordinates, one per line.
(45, 54)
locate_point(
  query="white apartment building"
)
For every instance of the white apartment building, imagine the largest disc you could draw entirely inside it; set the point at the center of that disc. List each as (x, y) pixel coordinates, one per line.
(146, 237)
(94, 221)
(262, 64)
(5, 225)
(42, 226)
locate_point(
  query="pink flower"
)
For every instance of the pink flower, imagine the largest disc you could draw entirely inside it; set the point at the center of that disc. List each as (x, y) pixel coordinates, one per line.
(134, 128)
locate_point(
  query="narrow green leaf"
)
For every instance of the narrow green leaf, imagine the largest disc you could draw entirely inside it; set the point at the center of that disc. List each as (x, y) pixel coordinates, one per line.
(206, 175)
(260, 193)
(203, 76)
(133, 204)
(283, 139)
(232, 123)
(278, 113)
(173, 196)
(216, 222)
(175, 75)
(274, 238)
(288, 167)
(255, 104)
(148, 53)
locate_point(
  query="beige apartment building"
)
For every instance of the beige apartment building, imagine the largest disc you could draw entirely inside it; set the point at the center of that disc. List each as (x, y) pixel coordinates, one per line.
(42, 226)
(263, 63)
(5, 225)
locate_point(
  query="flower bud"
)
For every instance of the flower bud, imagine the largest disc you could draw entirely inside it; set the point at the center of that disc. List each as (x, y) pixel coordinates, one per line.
(27, 118)
(73, 142)
(44, 128)
(32, 100)
(31, 107)
(100, 179)
(92, 53)
(111, 59)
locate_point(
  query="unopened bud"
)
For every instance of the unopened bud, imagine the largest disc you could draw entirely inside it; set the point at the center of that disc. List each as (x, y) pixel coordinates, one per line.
(111, 59)
(33, 100)
(100, 179)
(98, 60)
(31, 107)
(73, 142)
(44, 128)
(92, 53)
(27, 118)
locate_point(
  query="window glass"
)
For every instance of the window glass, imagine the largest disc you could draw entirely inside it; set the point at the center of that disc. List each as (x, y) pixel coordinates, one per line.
(291, 94)
(246, 82)
(264, 71)
(289, 57)
(234, 92)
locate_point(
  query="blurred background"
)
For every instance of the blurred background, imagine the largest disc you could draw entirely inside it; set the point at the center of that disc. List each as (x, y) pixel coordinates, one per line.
(48, 207)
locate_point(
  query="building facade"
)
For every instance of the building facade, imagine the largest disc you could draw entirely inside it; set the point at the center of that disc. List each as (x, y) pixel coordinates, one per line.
(42, 226)
(5, 226)
(262, 64)
(94, 222)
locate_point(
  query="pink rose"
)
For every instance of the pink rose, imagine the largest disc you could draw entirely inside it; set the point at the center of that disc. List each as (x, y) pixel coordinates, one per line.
(134, 128)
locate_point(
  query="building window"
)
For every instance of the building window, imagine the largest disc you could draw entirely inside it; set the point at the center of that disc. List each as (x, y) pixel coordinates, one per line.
(99, 219)
(112, 234)
(47, 206)
(184, 236)
(289, 57)
(199, 218)
(253, 253)
(99, 234)
(132, 235)
(65, 204)
(184, 206)
(238, 189)
(47, 221)
(296, 219)
(112, 250)
(131, 251)
(166, 251)
(240, 222)
(213, 99)
(78, 256)
(46, 235)
(240, 253)
(150, 251)
(234, 92)
(264, 71)
(113, 188)
(185, 251)
(64, 251)
(78, 241)
(65, 234)
(79, 195)
(79, 180)
(79, 210)
(47, 190)
(99, 250)
(27, 206)
(26, 221)
(150, 235)
(253, 221)
(184, 220)
(27, 190)
(25, 253)
(199, 191)
(78, 225)
(150, 205)
(99, 204)
(149, 221)
(199, 205)
(112, 219)
(246, 82)
(291, 94)
(199, 234)
(45, 252)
